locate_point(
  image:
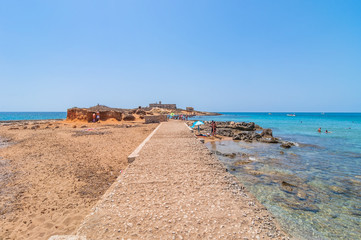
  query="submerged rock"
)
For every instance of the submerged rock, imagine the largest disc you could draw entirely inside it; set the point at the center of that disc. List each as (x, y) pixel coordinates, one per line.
(287, 187)
(242, 162)
(287, 144)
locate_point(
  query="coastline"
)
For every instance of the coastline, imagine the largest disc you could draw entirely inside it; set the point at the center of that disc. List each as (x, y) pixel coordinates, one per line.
(36, 205)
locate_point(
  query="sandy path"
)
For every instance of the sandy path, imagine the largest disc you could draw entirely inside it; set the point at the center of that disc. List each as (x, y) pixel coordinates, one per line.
(177, 190)
(53, 175)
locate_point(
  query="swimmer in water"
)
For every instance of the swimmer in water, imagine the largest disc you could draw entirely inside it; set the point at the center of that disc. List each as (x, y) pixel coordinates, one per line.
(319, 130)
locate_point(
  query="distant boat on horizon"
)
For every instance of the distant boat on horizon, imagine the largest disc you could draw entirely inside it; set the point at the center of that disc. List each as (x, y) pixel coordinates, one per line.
(291, 115)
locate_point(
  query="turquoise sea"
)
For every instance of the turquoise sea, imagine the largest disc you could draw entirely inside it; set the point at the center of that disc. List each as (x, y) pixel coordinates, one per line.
(11, 116)
(313, 188)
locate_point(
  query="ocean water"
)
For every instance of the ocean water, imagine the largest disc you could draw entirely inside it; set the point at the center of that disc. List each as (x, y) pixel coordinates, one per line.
(314, 188)
(10, 116)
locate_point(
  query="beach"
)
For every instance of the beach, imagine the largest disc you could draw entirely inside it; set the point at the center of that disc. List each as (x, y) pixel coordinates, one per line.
(53, 172)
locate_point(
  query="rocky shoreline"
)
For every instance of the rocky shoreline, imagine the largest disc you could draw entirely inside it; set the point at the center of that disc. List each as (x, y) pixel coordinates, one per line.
(243, 131)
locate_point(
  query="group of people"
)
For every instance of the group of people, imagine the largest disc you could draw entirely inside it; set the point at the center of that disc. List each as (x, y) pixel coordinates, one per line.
(319, 130)
(179, 117)
(96, 117)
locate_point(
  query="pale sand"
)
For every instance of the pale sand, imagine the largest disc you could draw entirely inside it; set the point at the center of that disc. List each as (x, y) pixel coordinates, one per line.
(51, 177)
(177, 189)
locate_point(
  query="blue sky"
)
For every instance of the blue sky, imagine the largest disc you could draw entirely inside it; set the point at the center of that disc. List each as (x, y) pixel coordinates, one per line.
(237, 55)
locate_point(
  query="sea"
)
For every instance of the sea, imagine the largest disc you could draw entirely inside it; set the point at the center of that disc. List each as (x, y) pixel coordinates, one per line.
(12, 116)
(313, 188)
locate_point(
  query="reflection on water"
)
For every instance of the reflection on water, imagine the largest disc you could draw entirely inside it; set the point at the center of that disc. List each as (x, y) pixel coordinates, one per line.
(313, 197)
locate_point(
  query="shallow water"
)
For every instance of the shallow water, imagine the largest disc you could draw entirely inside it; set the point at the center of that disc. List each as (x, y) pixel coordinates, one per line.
(315, 188)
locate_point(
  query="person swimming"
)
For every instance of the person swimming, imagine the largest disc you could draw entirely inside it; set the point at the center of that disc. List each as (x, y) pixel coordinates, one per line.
(319, 130)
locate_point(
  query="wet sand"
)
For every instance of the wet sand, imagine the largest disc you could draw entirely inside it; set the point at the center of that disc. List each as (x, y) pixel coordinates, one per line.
(53, 172)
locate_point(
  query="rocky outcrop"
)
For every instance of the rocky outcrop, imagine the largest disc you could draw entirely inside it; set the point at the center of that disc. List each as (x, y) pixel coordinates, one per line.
(243, 131)
(129, 117)
(86, 114)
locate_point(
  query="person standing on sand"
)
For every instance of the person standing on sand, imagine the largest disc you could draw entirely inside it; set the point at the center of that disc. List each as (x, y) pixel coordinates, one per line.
(98, 116)
(93, 117)
(214, 128)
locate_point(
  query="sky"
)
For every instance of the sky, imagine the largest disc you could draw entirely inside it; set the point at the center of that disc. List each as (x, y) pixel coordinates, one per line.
(240, 56)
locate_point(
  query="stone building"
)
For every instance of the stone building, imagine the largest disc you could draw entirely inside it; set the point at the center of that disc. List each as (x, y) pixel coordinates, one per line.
(189, 109)
(161, 105)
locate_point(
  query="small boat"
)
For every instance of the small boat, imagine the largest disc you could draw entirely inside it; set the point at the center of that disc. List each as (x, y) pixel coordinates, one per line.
(291, 115)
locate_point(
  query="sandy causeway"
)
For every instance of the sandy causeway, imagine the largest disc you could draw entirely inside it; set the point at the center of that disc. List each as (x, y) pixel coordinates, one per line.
(176, 189)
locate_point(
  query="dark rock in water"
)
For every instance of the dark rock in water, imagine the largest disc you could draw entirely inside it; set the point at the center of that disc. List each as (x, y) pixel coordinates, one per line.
(338, 190)
(240, 162)
(287, 187)
(267, 133)
(230, 155)
(269, 140)
(287, 144)
(247, 136)
(282, 152)
(301, 195)
(297, 205)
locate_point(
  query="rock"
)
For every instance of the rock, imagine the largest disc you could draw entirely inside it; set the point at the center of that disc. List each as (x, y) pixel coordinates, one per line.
(337, 190)
(13, 128)
(287, 144)
(301, 195)
(129, 117)
(74, 126)
(287, 187)
(140, 112)
(25, 127)
(84, 126)
(269, 140)
(141, 116)
(267, 133)
(230, 155)
(282, 152)
(297, 205)
(240, 162)
(35, 127)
